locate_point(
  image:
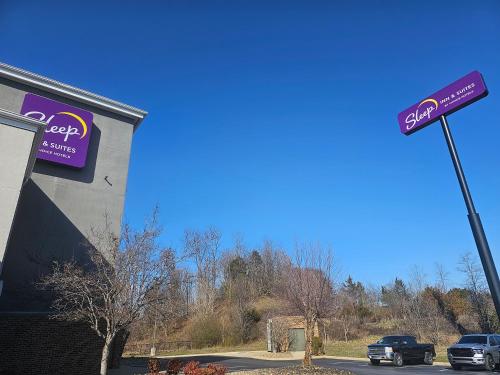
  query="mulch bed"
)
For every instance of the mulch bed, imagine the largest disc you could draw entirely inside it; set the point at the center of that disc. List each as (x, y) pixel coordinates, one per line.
(296, 370)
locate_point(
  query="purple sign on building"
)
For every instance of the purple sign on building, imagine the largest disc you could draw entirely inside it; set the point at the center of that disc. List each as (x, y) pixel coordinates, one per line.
(460, 93)
(67, 132)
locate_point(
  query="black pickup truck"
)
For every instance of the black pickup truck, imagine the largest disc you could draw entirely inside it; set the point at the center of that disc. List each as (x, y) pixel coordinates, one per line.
(400, 350)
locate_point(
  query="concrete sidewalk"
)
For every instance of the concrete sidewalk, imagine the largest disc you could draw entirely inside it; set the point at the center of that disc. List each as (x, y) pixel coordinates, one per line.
(255, 354)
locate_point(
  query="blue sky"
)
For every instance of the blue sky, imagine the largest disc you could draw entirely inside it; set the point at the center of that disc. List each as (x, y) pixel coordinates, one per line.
(277, 119)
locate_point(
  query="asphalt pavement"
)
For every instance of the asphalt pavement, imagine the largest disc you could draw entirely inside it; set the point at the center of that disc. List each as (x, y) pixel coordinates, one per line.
(358, 367)
(365, 368)
(139, 366)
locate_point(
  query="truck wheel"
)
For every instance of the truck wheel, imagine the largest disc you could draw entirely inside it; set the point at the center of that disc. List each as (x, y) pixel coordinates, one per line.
(456, 367)
(375, 362)
(428, 358)
(489, 363)
(398, 360)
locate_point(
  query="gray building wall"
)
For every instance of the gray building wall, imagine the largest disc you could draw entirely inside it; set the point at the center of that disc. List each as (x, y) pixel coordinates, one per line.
(56, 210)
(59, 205)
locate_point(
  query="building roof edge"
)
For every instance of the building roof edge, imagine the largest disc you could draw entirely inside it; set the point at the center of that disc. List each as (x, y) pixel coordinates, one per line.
(62, 89)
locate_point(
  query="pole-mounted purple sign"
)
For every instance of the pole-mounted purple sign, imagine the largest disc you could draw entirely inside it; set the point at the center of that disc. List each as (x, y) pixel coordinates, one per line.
(67, 132)
(448, 100)
(460, 93)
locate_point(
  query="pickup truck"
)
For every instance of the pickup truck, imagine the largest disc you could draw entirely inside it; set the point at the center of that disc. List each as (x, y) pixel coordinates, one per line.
(475, 350)
(400, 350)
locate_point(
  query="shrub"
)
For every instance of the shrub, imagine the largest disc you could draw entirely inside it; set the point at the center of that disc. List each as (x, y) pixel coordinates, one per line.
(250, 319)
(206, 332)
(240, 326)
(252, 315)
(217, 369)
(174, 366)
(317, 346)
(193, 368)
(154, 366)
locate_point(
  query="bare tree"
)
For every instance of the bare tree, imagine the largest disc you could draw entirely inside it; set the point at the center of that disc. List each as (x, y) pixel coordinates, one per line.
(441, 278)
(123, 279)
(204, 248)
(346, 313)
(440, 309)
(437, 324)
(478, 293)
(396, 298)
(274, 266)
(415, 306)
(170, 306)
(309, 289)
(280, 338)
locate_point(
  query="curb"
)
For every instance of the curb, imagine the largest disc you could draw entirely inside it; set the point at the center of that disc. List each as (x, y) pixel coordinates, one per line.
(236, 355)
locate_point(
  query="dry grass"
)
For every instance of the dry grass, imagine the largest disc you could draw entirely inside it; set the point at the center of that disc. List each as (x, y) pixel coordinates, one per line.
(251, 346)
(268, 304)
(353, 348)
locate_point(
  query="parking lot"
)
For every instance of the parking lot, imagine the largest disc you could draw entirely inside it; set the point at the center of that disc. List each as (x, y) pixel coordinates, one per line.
(132, 366)
(364, 368)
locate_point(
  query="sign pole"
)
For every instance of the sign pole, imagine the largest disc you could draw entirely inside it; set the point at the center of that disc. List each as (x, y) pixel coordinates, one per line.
(474, 220)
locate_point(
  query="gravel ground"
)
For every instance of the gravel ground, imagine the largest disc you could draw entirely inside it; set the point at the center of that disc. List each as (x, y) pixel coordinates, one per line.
(296, 370)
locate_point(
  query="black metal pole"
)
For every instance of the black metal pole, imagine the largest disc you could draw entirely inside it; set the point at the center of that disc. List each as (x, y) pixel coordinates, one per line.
(475, 222)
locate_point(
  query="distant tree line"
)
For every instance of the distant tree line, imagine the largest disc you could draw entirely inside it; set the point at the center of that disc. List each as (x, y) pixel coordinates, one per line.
(429, 311)
(227, 297)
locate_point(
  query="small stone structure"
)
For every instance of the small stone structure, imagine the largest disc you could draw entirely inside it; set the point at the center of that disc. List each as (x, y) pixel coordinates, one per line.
(287, 333)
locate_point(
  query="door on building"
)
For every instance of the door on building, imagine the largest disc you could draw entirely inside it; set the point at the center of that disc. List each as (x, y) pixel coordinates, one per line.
(296, 340)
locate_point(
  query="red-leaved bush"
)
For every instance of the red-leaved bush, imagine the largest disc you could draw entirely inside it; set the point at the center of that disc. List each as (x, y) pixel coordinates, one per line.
(174, 366)
(193, 368)
(217, 369)
(154, 366)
